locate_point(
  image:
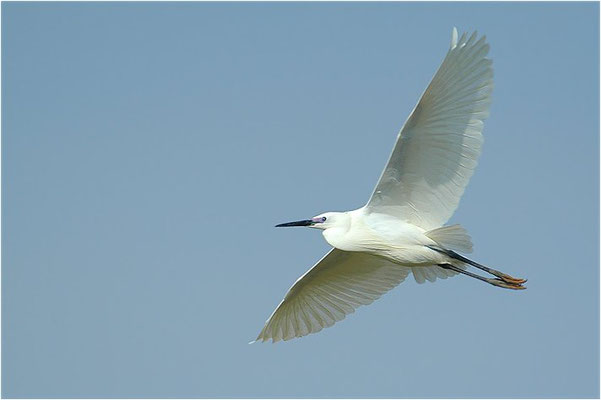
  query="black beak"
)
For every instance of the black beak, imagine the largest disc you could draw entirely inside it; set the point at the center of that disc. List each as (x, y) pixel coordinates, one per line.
(304, 222)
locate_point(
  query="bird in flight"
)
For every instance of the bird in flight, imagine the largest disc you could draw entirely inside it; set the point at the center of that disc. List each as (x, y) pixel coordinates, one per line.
(401, 228)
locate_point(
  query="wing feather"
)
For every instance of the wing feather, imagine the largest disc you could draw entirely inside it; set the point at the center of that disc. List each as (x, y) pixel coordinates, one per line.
(337, 285)
(437, 149)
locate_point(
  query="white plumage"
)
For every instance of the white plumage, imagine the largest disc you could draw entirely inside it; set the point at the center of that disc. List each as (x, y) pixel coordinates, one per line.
(438, 147)
(338, 284)
(400, 230)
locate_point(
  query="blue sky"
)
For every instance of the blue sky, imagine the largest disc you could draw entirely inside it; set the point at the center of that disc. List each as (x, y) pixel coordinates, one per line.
(148, 150)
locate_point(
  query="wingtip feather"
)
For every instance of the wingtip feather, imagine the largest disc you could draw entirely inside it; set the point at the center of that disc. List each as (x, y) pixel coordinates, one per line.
(454, 38)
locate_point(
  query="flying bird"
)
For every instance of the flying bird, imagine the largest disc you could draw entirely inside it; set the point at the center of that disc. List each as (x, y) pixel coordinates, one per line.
(401, 231)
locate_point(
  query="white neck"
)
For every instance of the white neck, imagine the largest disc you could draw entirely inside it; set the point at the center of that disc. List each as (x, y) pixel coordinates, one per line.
(337, 229)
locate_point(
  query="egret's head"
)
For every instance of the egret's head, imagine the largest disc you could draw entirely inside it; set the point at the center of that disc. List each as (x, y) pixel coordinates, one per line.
(322, 221)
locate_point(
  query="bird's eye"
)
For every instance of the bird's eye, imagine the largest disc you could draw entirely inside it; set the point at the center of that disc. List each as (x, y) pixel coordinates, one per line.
(323, 219)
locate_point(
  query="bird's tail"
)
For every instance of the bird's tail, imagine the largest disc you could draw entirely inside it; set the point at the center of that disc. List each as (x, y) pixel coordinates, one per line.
(453, 237)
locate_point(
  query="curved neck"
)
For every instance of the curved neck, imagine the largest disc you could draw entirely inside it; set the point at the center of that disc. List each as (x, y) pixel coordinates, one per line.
(335, 234)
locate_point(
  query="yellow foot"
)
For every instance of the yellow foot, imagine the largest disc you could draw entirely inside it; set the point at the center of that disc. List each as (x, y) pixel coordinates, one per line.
(512, 280)
(506, 285)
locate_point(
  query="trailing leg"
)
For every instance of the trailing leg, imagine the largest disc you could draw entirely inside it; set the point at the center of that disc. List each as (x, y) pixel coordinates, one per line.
(495, 282)
(506, 278)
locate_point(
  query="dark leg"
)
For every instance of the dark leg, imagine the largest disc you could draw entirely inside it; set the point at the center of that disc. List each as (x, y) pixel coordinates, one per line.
(507, 278)
(494, 282)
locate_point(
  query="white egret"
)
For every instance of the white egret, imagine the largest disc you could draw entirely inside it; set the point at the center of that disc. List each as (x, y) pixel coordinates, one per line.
(400, 229)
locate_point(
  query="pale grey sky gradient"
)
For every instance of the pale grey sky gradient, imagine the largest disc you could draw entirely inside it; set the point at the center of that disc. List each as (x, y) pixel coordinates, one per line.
(148, 150)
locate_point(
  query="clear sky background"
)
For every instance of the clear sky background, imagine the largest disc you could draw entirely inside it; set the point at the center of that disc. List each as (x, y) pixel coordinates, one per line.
(148, 150)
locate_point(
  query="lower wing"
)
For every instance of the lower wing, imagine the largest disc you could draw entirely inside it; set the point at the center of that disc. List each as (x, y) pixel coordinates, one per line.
(335, 287)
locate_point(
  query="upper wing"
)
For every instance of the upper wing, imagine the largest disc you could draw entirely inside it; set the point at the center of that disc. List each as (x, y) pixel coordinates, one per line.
(338, 284)
(439, 145)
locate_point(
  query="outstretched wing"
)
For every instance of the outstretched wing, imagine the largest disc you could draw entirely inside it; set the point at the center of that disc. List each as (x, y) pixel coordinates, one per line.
(338, 284)
(439, 145)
